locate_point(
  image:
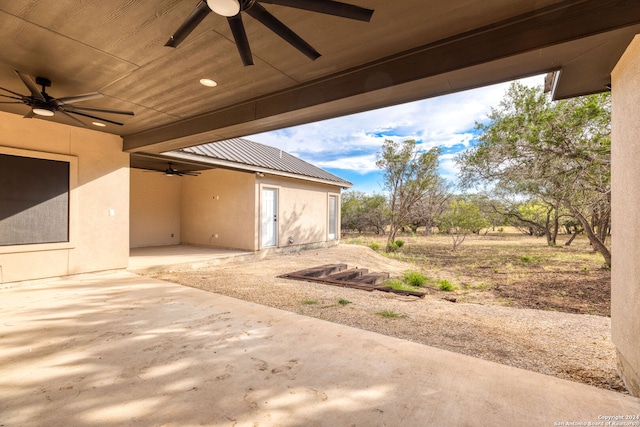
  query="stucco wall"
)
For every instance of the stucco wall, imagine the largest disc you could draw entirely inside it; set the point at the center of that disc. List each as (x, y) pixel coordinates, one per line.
(218, 209)
(303, 209)
(155, 209)
(100, 187)
(625, 200)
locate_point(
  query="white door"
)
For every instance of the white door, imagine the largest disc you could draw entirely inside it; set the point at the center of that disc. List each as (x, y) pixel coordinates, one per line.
(333, 218)
(269, 217)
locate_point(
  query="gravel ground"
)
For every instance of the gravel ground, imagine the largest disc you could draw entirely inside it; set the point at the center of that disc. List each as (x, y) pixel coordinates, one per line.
(576, 347)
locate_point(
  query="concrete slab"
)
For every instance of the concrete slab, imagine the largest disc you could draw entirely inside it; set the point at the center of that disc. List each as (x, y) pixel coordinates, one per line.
(179, 257)
(119, 349)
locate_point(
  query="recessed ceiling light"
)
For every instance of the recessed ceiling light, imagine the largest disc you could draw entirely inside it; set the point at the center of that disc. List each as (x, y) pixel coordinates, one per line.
(208, 82)
(98, 124)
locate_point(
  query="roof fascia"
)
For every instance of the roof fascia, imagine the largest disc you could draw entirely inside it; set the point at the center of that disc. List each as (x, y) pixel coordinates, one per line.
(226, 164)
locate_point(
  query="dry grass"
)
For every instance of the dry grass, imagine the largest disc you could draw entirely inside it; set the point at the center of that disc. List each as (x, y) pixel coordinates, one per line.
(511, 269)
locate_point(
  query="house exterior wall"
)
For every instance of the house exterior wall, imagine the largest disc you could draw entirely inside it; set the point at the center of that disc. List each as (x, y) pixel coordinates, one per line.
(625, 199)
(218, 209)
(99, 200)
(155, 209)
(302, 210)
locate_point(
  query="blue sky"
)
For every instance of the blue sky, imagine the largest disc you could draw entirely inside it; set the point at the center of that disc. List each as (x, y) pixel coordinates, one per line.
(347, 146)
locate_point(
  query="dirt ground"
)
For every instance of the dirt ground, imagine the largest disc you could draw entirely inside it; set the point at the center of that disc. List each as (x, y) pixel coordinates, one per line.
(521, 304)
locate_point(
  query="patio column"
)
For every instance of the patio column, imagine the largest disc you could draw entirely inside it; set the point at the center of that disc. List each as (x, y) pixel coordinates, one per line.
(625, 200)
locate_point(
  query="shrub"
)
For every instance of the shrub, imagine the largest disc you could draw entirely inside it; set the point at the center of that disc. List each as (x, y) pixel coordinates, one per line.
(356, 241)
(310, 302)
(446, 285)
(343, 301)
(375, 246)
(389, 314)
(399, 243)
(399, 285)
(526, 259)
(414, 278)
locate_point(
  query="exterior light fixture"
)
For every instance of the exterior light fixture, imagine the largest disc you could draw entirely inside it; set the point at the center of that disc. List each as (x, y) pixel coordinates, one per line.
(208, 83)
(224, 7)
(43, 112)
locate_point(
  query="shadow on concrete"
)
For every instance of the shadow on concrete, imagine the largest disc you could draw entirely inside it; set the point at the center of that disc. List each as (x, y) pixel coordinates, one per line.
(119, 349)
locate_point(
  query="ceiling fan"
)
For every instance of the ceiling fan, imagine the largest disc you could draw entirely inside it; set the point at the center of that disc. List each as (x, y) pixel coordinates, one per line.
(171, 171)
(232, 9)
(44, 105)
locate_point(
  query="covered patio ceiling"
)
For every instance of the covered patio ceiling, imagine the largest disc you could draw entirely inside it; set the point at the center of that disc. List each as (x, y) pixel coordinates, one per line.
(411, 49)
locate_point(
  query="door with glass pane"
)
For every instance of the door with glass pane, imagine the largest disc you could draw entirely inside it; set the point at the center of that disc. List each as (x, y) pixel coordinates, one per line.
(333, 218)
(269, 217)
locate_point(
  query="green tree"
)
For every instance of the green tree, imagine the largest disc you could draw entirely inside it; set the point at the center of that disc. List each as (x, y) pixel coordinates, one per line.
(363, 212)
(426, 211)
(461, 219)
(491, 209)
(555, 152)
(408, 176)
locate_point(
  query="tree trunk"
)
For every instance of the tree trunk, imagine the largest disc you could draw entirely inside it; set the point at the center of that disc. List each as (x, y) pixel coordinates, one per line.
(392, 238)
(597, 244)
(556, 226)
(573, 236)
(547, 229)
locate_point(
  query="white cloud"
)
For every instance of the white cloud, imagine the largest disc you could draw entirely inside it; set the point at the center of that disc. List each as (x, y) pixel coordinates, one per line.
(448, 168)
(360, 164)
(351, 142)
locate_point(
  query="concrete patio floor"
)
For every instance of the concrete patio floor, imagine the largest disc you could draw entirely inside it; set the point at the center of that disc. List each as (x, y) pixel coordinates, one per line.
(118, 349)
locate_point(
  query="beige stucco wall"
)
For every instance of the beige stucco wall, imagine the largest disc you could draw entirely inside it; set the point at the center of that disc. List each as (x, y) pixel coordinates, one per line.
(625, 200)
(302, 209)
(155, 209)
(218, 209)
(100, 186)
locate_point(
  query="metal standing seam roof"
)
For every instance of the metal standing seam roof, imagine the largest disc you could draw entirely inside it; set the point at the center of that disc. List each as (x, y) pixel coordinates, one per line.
(248, 153)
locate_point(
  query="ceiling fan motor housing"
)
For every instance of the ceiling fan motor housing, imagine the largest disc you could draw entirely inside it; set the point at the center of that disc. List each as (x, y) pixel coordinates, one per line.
(43, 81)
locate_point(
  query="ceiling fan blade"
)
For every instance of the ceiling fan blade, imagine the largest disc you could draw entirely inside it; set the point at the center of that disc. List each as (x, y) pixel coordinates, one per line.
(78, 98)
(260, 14)
(335, 8)
(74, 108)
(11, 102)
(102, 119)
(192, 21)
(240, 36)
(31, 86)
(70, 118)
(11, 97)
(12, 92)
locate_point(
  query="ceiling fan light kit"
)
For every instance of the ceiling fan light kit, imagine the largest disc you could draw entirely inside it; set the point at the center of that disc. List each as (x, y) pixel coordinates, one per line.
(43, 112)
(224, 7)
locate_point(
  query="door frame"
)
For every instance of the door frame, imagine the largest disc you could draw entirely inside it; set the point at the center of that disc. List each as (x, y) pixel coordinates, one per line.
(276, 213)
(337, 216)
